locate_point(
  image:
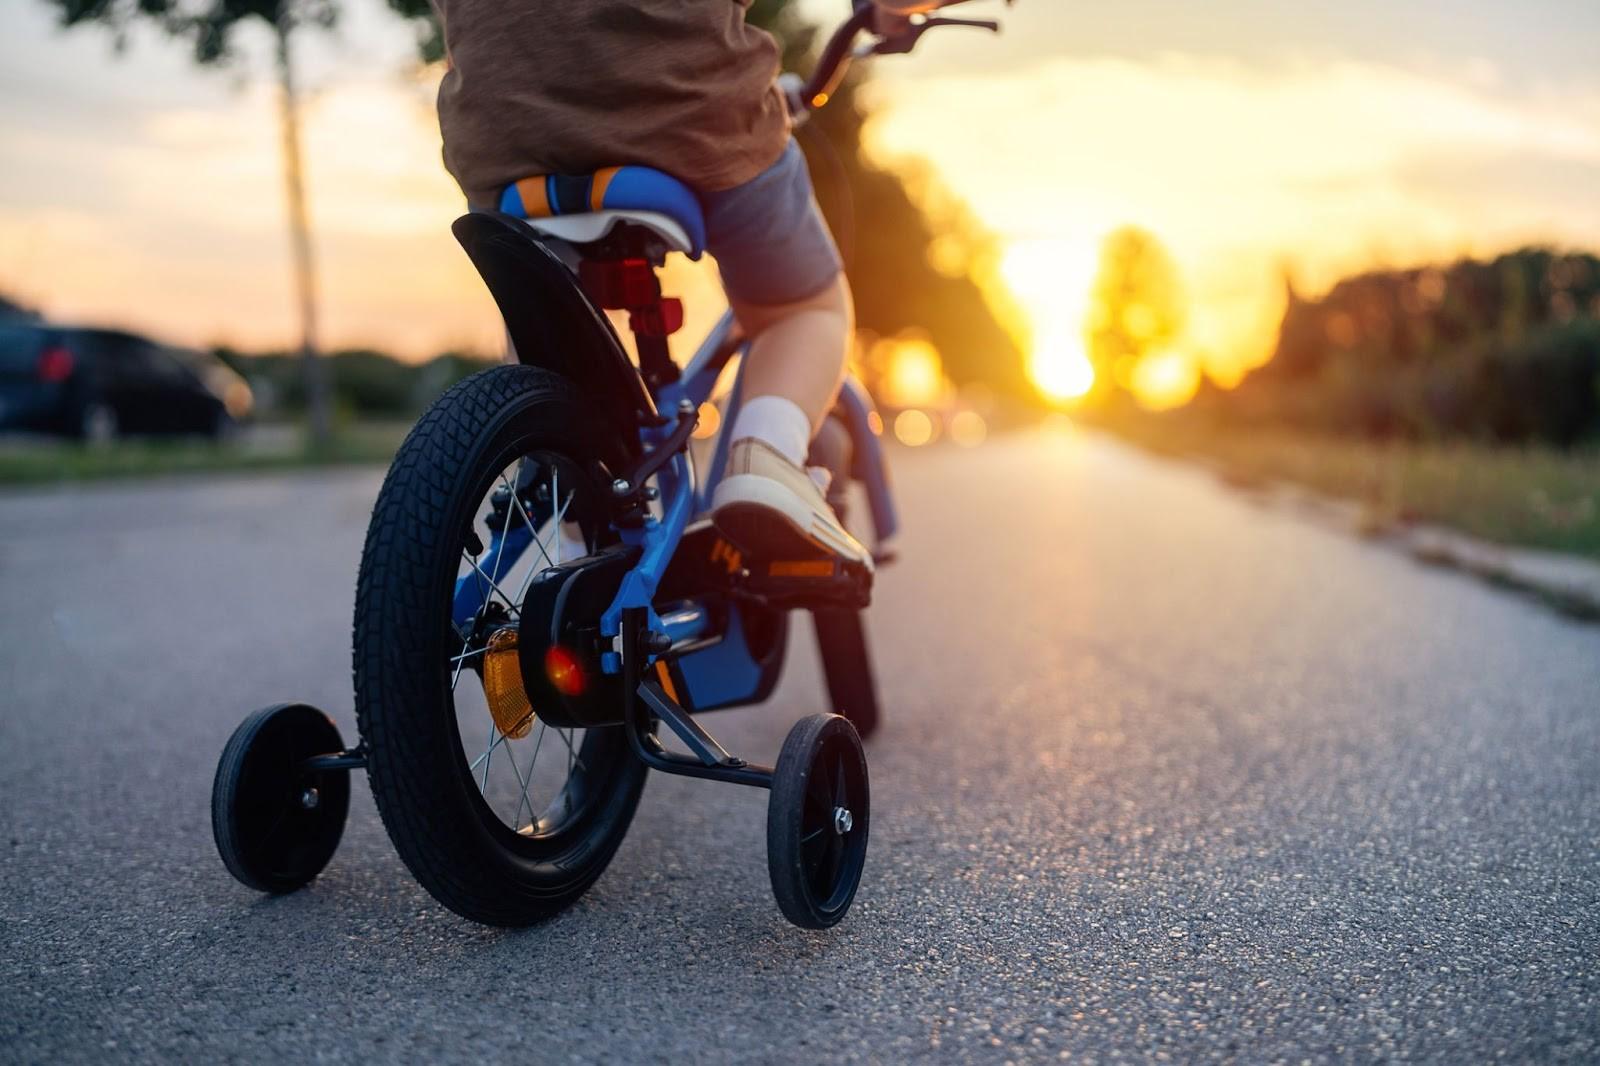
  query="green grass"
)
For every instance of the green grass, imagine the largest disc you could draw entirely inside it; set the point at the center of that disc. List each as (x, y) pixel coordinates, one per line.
(34, 462)
(1532, 497)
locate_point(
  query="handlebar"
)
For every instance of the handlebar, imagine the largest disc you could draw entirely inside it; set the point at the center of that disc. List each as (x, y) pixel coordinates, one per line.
(841, 50)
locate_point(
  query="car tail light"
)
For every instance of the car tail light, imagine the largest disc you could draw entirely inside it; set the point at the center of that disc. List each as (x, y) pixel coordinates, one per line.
(55, 364)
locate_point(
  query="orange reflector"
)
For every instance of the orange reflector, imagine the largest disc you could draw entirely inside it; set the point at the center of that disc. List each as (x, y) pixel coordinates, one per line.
(565, 671)
(502, 686)
(665, 677)
(801, 568)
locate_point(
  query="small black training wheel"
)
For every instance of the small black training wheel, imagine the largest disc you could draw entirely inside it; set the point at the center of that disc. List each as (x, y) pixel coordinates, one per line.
(276, 824)
(817, 821)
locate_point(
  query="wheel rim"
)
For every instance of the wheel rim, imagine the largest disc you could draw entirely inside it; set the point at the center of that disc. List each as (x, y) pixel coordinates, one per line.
(833, 824)
(537, 784)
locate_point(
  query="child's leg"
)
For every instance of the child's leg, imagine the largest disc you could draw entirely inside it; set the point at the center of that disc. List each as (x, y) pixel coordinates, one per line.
(785, 283)
(797, 353)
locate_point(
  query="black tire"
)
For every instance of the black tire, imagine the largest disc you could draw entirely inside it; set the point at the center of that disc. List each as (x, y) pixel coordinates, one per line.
(847, 666)
(439, 821)
(814, 858)
(275, 826)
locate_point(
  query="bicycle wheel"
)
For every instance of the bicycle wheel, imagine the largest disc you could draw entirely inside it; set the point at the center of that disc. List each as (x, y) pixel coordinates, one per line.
(501, 817)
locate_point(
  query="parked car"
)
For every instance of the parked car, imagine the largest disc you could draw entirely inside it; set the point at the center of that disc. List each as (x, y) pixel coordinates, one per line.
(97, 384)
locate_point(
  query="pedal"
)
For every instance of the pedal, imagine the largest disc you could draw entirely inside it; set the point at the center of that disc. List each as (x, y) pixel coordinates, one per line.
(707, 562)
(810, 583)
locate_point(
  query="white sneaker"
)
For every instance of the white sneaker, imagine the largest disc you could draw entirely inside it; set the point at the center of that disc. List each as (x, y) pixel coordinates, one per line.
(774, 511)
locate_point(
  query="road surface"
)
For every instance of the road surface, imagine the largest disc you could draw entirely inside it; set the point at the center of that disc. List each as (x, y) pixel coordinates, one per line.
(1164, 776)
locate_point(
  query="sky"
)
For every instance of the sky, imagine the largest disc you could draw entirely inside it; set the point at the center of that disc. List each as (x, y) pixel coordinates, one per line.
(1256, 140)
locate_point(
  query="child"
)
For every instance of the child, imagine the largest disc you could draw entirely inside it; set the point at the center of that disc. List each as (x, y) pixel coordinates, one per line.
(685, 86)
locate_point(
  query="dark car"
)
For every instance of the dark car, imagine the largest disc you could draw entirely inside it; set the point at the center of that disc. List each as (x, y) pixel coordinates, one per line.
(96, 384)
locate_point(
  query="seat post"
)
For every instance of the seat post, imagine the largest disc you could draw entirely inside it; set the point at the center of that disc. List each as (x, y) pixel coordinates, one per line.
(631, 284)
(655, 360)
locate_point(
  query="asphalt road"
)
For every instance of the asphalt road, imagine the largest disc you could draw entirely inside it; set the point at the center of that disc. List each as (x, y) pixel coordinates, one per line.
(1164, 776)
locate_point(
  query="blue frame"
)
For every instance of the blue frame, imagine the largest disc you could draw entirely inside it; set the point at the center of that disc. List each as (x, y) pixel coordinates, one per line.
(681, 502)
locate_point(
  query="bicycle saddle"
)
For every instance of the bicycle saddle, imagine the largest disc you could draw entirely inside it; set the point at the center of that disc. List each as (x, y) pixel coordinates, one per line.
(586, 207)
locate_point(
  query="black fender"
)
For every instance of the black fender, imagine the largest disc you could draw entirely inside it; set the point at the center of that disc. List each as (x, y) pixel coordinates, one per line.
(552, 323)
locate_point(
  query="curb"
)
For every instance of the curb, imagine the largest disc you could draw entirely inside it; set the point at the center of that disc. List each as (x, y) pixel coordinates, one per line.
(1566, 584)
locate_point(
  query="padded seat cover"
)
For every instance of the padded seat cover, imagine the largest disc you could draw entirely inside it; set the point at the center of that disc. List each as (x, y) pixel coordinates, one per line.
(620, 189)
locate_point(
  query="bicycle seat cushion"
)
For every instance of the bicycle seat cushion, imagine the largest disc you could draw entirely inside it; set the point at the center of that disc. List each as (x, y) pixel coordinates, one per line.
(641, 195)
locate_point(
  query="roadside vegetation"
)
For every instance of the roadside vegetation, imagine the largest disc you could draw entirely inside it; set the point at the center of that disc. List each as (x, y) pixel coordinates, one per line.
(277, 447)
(1528, 495)
(1466, 395)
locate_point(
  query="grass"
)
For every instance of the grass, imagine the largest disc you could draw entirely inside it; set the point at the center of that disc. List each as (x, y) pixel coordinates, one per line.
(39, 461)
(1529, 497)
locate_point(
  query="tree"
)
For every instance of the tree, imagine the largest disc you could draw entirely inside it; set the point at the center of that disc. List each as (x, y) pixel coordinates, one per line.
(889, 223)
(1136, 306)
(209, 26)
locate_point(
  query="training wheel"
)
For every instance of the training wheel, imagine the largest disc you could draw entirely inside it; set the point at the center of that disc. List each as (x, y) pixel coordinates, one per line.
(277, 824)
(817, 821)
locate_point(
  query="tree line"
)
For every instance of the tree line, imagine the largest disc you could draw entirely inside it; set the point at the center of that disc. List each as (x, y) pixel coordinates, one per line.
(1504, 350)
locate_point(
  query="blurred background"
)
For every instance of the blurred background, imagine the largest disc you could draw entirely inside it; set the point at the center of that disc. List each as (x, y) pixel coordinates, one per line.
(1349, 248)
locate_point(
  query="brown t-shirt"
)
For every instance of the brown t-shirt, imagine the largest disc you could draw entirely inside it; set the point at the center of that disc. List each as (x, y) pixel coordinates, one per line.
(570, 86)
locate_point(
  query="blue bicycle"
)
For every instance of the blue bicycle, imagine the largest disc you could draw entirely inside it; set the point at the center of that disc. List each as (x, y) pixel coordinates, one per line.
(540, 593)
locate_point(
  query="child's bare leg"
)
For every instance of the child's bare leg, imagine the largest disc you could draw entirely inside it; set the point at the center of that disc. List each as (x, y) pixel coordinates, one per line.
(797, 353)
(766, 502)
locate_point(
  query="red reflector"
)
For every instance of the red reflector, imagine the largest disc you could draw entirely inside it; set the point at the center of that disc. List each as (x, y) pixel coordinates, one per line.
(619, 283)
(55, 364)
(660, 319)
(565, 672)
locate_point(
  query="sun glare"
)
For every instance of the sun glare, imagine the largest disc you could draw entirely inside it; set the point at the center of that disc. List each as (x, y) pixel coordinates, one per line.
(1060, 368)
(1052, 280)
(1165, 379)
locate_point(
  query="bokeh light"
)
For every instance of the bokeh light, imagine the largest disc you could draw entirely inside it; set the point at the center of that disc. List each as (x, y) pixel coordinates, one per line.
(913, 428)
(710, 422)
(912, 372)
(968, 429)
(1165, 379)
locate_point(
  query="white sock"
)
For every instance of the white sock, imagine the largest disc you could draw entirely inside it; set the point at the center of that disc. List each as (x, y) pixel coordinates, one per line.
(778, 422)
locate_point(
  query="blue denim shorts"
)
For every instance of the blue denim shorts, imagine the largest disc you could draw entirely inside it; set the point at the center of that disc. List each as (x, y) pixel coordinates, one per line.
(768, 235)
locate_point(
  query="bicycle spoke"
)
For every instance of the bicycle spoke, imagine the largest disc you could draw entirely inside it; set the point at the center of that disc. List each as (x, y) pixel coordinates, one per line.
(538, 543)
(516, 817)
(572, 754)
(500, 555)
(483, 786)
(492, 585)
(494, 582)
(503, 738)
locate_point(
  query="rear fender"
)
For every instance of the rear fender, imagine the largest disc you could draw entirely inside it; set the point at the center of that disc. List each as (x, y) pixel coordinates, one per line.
(551, 322)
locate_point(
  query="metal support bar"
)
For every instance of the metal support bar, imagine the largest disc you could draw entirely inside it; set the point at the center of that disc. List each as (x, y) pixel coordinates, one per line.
(700, 743)
(354, 759)
(642, 738)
